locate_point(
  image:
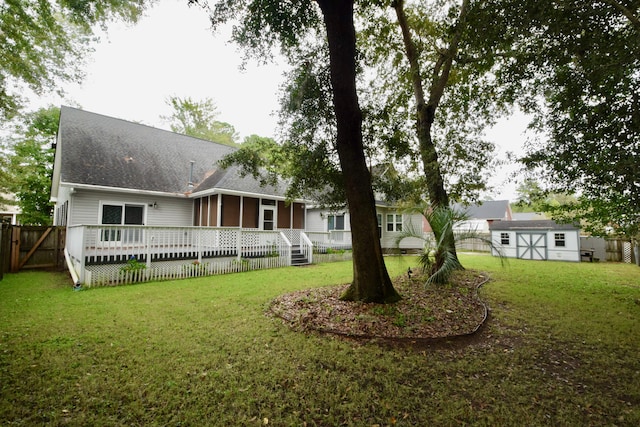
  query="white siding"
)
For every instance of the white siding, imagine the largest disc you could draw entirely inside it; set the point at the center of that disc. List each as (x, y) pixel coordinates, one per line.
(388, 239)
(473, 225)
(317, 220)
(570, 252)
(85, 208)
(510, 250)
(63, 197)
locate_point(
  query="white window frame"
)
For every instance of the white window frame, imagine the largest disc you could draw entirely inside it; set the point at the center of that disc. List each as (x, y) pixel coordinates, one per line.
(272, 206)
(117, 236)
(505, 238)
(335, 216)
(560, 240)
(397, 222)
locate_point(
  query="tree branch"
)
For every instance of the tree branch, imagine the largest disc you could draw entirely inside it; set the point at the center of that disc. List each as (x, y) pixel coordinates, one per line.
(628, 13)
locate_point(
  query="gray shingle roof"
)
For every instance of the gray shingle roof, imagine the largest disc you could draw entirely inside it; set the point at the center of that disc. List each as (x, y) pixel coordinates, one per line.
(105, 151)
(545, 224)
(489, 209)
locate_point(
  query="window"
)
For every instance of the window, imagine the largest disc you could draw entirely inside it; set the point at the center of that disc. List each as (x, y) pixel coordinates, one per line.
(504, 238)
(559, 238)
(394, 222)
(335, 222)
(379, 225)
(114, 214)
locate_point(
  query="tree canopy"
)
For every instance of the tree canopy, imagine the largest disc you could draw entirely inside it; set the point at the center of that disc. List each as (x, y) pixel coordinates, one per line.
(27, 170)
(43, 42)
(574, 66)
(198, 119)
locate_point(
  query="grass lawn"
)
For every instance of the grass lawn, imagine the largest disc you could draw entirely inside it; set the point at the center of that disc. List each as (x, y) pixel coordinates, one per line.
(562, 347)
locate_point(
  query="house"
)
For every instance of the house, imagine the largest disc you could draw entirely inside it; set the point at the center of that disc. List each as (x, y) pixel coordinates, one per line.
(127, 191)
(482, 215)
(536, 240)
(9, 210)
(137, 199)
(392, 221)
(528, 216)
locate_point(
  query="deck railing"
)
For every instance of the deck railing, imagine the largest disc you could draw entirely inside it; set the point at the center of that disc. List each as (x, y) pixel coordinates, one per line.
(100, 245)
(330, 240)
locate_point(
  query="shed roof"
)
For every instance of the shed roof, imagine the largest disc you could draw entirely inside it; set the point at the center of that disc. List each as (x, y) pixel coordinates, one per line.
(98, 150)
(542, 225)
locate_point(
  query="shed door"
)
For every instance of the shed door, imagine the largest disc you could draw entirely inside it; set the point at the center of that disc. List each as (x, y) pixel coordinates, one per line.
(532, 246)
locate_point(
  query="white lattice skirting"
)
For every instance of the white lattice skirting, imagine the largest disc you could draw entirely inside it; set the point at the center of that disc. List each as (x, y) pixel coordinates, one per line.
(113, 274)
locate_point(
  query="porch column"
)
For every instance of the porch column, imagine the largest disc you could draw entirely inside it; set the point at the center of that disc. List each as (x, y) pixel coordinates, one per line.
(240, 228)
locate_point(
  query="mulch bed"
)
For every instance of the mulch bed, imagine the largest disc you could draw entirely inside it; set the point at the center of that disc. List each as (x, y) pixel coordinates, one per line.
(432, 312)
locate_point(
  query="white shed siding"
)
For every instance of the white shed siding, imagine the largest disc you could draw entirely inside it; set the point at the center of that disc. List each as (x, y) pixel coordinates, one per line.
(85, 208)
(509, 250)
(569, 252)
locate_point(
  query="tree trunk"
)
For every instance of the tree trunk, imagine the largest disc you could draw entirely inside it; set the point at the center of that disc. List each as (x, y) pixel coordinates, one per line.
(371, 281)
(426, 110)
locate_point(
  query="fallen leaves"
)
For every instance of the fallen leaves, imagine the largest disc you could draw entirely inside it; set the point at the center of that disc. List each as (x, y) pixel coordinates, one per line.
(434, 311)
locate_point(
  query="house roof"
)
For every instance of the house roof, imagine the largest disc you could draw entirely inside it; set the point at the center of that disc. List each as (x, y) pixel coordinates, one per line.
(543, 225)
(97, 150)
(490, 210)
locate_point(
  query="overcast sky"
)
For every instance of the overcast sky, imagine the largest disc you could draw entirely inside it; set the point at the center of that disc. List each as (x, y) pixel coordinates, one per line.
(172, 51)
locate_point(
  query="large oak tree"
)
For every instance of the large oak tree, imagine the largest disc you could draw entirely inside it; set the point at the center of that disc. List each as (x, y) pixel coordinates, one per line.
(265, 23)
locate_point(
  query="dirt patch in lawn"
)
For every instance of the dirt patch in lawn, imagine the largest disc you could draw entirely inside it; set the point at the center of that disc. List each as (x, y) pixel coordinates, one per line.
(425, 314)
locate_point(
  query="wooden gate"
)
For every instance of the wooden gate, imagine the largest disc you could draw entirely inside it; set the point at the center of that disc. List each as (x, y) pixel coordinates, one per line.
(532, 246)
(32, 247)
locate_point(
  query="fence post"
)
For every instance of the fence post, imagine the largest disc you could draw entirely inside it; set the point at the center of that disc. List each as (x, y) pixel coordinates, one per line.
(15, 249)
(2, 252)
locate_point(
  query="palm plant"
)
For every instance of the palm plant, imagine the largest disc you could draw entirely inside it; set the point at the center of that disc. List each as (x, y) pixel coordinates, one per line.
(439, 258)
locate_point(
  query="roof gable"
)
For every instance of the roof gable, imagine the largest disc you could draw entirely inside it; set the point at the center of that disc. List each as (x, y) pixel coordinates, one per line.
(98, 150)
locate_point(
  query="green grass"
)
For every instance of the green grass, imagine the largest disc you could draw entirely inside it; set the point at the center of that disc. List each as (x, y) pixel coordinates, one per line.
(561, 348)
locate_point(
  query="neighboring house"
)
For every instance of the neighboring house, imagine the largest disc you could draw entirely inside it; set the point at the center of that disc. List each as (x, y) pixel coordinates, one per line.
(126, 190)
(536, 240)
(528, 216)
(8, 212)
(482, 215)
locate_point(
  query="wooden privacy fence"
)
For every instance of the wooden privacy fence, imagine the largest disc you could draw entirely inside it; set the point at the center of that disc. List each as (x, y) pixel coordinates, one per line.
(618, 250)
(31, 247)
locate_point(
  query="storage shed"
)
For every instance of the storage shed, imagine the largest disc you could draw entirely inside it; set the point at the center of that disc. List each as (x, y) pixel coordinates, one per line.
(537, 240)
